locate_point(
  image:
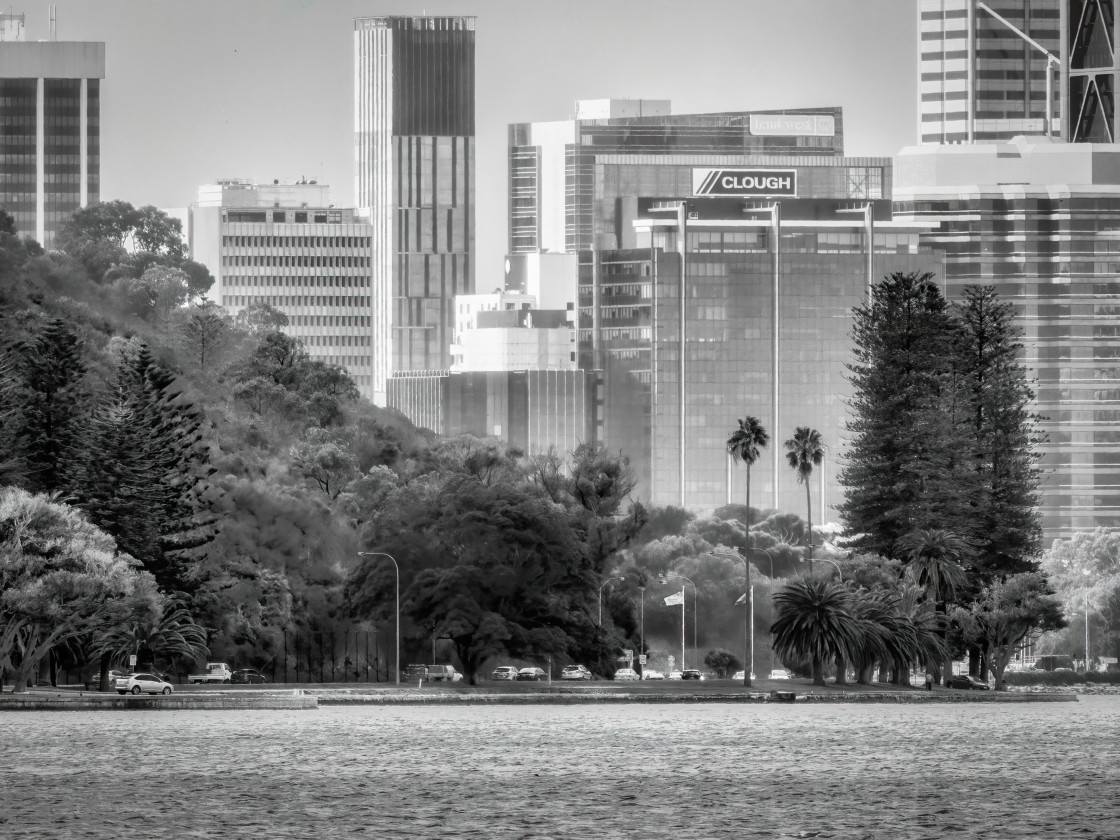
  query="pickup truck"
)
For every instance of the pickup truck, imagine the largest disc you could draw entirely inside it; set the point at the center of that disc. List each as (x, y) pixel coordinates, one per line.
(216, 672)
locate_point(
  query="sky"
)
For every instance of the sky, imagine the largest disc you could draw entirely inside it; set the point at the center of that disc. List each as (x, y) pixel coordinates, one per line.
(197, 90)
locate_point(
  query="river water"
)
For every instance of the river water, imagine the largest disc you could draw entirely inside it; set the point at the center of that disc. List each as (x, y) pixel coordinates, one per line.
(643, 771)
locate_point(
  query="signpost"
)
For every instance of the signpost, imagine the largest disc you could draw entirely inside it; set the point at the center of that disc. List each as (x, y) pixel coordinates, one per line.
(132, 661)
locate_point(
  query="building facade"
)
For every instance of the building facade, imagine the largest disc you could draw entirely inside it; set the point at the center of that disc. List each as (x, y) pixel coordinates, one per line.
(414, 129)
(50, 128)
(980, 80)
(1041, 223)
(1091, 61)
(287, 246)
(764, 317)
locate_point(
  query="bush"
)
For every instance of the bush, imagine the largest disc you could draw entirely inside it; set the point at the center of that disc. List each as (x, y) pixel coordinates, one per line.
(723, 662)
(1059, 678)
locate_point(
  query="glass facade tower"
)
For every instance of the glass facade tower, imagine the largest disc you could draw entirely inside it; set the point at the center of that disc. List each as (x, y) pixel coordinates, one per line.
(414, 162)
(49, 132)
(1040, 222)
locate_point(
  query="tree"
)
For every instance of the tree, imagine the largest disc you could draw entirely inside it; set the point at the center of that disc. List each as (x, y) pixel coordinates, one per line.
(60, 578)
(260, 318)
(1007, 610)
(325, 460)
(1085, 572)
(7, 223)
(205, 333)
(1002, 434)
(903, 467)
(815, 622)
(163, 632)
(745, 444)
(804, 451)
(723, 662)
(934, 559)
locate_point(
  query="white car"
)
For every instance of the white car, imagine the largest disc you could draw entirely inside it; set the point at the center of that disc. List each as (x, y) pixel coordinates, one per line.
(142, 684)
(626, 674)
(779, 674)
(676, 675)
(739, 676)
(504, 672)
(651, 675)
(576, 672)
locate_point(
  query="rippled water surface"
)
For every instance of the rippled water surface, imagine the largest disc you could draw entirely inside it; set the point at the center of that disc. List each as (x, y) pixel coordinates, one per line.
(703, 771)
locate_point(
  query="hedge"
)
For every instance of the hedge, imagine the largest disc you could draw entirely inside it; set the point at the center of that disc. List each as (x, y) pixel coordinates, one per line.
(1060, 678)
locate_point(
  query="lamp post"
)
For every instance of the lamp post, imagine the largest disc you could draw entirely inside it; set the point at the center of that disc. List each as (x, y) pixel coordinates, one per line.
(1086, 572)
(642, 632)
(834, 563)
(768, 554)
(748, 617)
(604, 583)
(397, 569)
(663, 579)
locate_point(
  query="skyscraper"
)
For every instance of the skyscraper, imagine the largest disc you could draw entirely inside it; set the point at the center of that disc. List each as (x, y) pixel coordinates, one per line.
(50, 128)
(979, 79)
(1093, 60)
(414, 182)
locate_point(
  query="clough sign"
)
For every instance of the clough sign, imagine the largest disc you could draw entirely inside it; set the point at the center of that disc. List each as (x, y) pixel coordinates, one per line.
(745, 182)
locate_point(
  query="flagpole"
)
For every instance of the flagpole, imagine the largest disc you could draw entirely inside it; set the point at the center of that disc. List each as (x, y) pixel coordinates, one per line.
(682, 629)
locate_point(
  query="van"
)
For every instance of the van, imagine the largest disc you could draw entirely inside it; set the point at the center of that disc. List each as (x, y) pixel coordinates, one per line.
(443, 673)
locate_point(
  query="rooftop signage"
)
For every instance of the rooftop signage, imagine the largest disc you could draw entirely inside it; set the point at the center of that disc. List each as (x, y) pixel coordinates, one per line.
(744, 182)
(793, 125)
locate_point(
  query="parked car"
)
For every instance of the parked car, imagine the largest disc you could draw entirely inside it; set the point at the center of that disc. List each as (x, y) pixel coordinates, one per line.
(216, 672)
(626, 674)
(248, 675)
(779, 674)
(691, 674)
(443, 673)
(415, 673)
(142, 684)
(968, 682)
(739, 676)
(576, 672)
(531, 674)
(675, 675)
(504, 672)
(652, 675)
(94, 683)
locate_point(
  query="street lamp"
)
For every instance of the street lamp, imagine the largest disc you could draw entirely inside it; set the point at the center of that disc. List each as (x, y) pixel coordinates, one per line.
(839, 573)
(642, 632)
(1086, 572)
(768, 554)
(748, 617)
(397, 569)
(663, 579)
(601, 597)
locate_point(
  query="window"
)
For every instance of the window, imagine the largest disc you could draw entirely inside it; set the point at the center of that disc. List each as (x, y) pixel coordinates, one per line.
(278, 215)
(301, 217)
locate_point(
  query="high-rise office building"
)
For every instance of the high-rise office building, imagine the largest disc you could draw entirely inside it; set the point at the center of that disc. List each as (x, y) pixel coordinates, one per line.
(1092, 63)
(984, 67)
(50, 128)
(571, 182)
(414, 181)
(1039, 221)
(286, 245)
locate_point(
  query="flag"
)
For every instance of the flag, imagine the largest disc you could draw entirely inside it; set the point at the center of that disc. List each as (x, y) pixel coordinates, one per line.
(674, 599)
(742, 599)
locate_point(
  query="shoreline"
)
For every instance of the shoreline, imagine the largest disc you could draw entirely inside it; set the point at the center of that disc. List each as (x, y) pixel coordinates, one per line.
(305, 698)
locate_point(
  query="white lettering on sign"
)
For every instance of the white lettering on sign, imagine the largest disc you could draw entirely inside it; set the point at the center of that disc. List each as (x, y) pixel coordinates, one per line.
(793, 125)
(745, 182)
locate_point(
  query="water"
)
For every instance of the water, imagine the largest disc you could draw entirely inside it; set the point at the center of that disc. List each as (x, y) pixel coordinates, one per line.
(703, 771)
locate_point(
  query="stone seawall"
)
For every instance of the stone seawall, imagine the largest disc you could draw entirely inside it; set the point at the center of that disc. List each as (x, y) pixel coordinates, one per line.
(38, 702)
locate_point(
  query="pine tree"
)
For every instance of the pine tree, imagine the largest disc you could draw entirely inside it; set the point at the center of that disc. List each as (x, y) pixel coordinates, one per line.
(903, 471)
(1003, 434)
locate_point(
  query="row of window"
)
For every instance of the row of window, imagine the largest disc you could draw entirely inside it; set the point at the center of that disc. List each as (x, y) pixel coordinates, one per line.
(298, 320)
(289, 261)
(337, 340)
(300, 281)
(289, 242)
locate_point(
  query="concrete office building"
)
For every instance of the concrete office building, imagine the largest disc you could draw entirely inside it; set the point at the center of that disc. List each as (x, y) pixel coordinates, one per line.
(774, 258)
(414, 181)
(50, 128)
(1041, 222)
(979, 79)
(287, 246)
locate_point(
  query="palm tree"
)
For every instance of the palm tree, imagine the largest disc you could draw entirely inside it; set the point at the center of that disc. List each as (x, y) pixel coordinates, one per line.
(745, 444)
(934, 557)
(815, 621)
(804, 451)
(170, 633)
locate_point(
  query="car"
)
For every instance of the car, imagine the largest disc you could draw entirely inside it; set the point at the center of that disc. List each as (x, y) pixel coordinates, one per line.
(94, 683)
(675, 675)
(504, 672)
(969, 683)
(248, 675)
(443, 673)
(576, 672)
(531, 674)
(626, 674)
(691, 674)
(739, 676)
(779, 674)
(142, 684)
(652, 675)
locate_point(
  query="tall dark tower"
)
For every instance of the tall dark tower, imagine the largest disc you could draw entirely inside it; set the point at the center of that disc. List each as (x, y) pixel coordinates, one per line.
(414, 180)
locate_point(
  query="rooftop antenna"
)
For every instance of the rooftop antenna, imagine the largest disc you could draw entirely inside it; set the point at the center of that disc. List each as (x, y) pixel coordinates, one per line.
(54, 22)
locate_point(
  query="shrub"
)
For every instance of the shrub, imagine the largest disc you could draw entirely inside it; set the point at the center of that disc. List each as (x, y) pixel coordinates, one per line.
(1060, 678)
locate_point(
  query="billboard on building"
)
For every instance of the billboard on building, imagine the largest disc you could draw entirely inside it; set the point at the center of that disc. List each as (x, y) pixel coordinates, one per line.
(751, 182)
